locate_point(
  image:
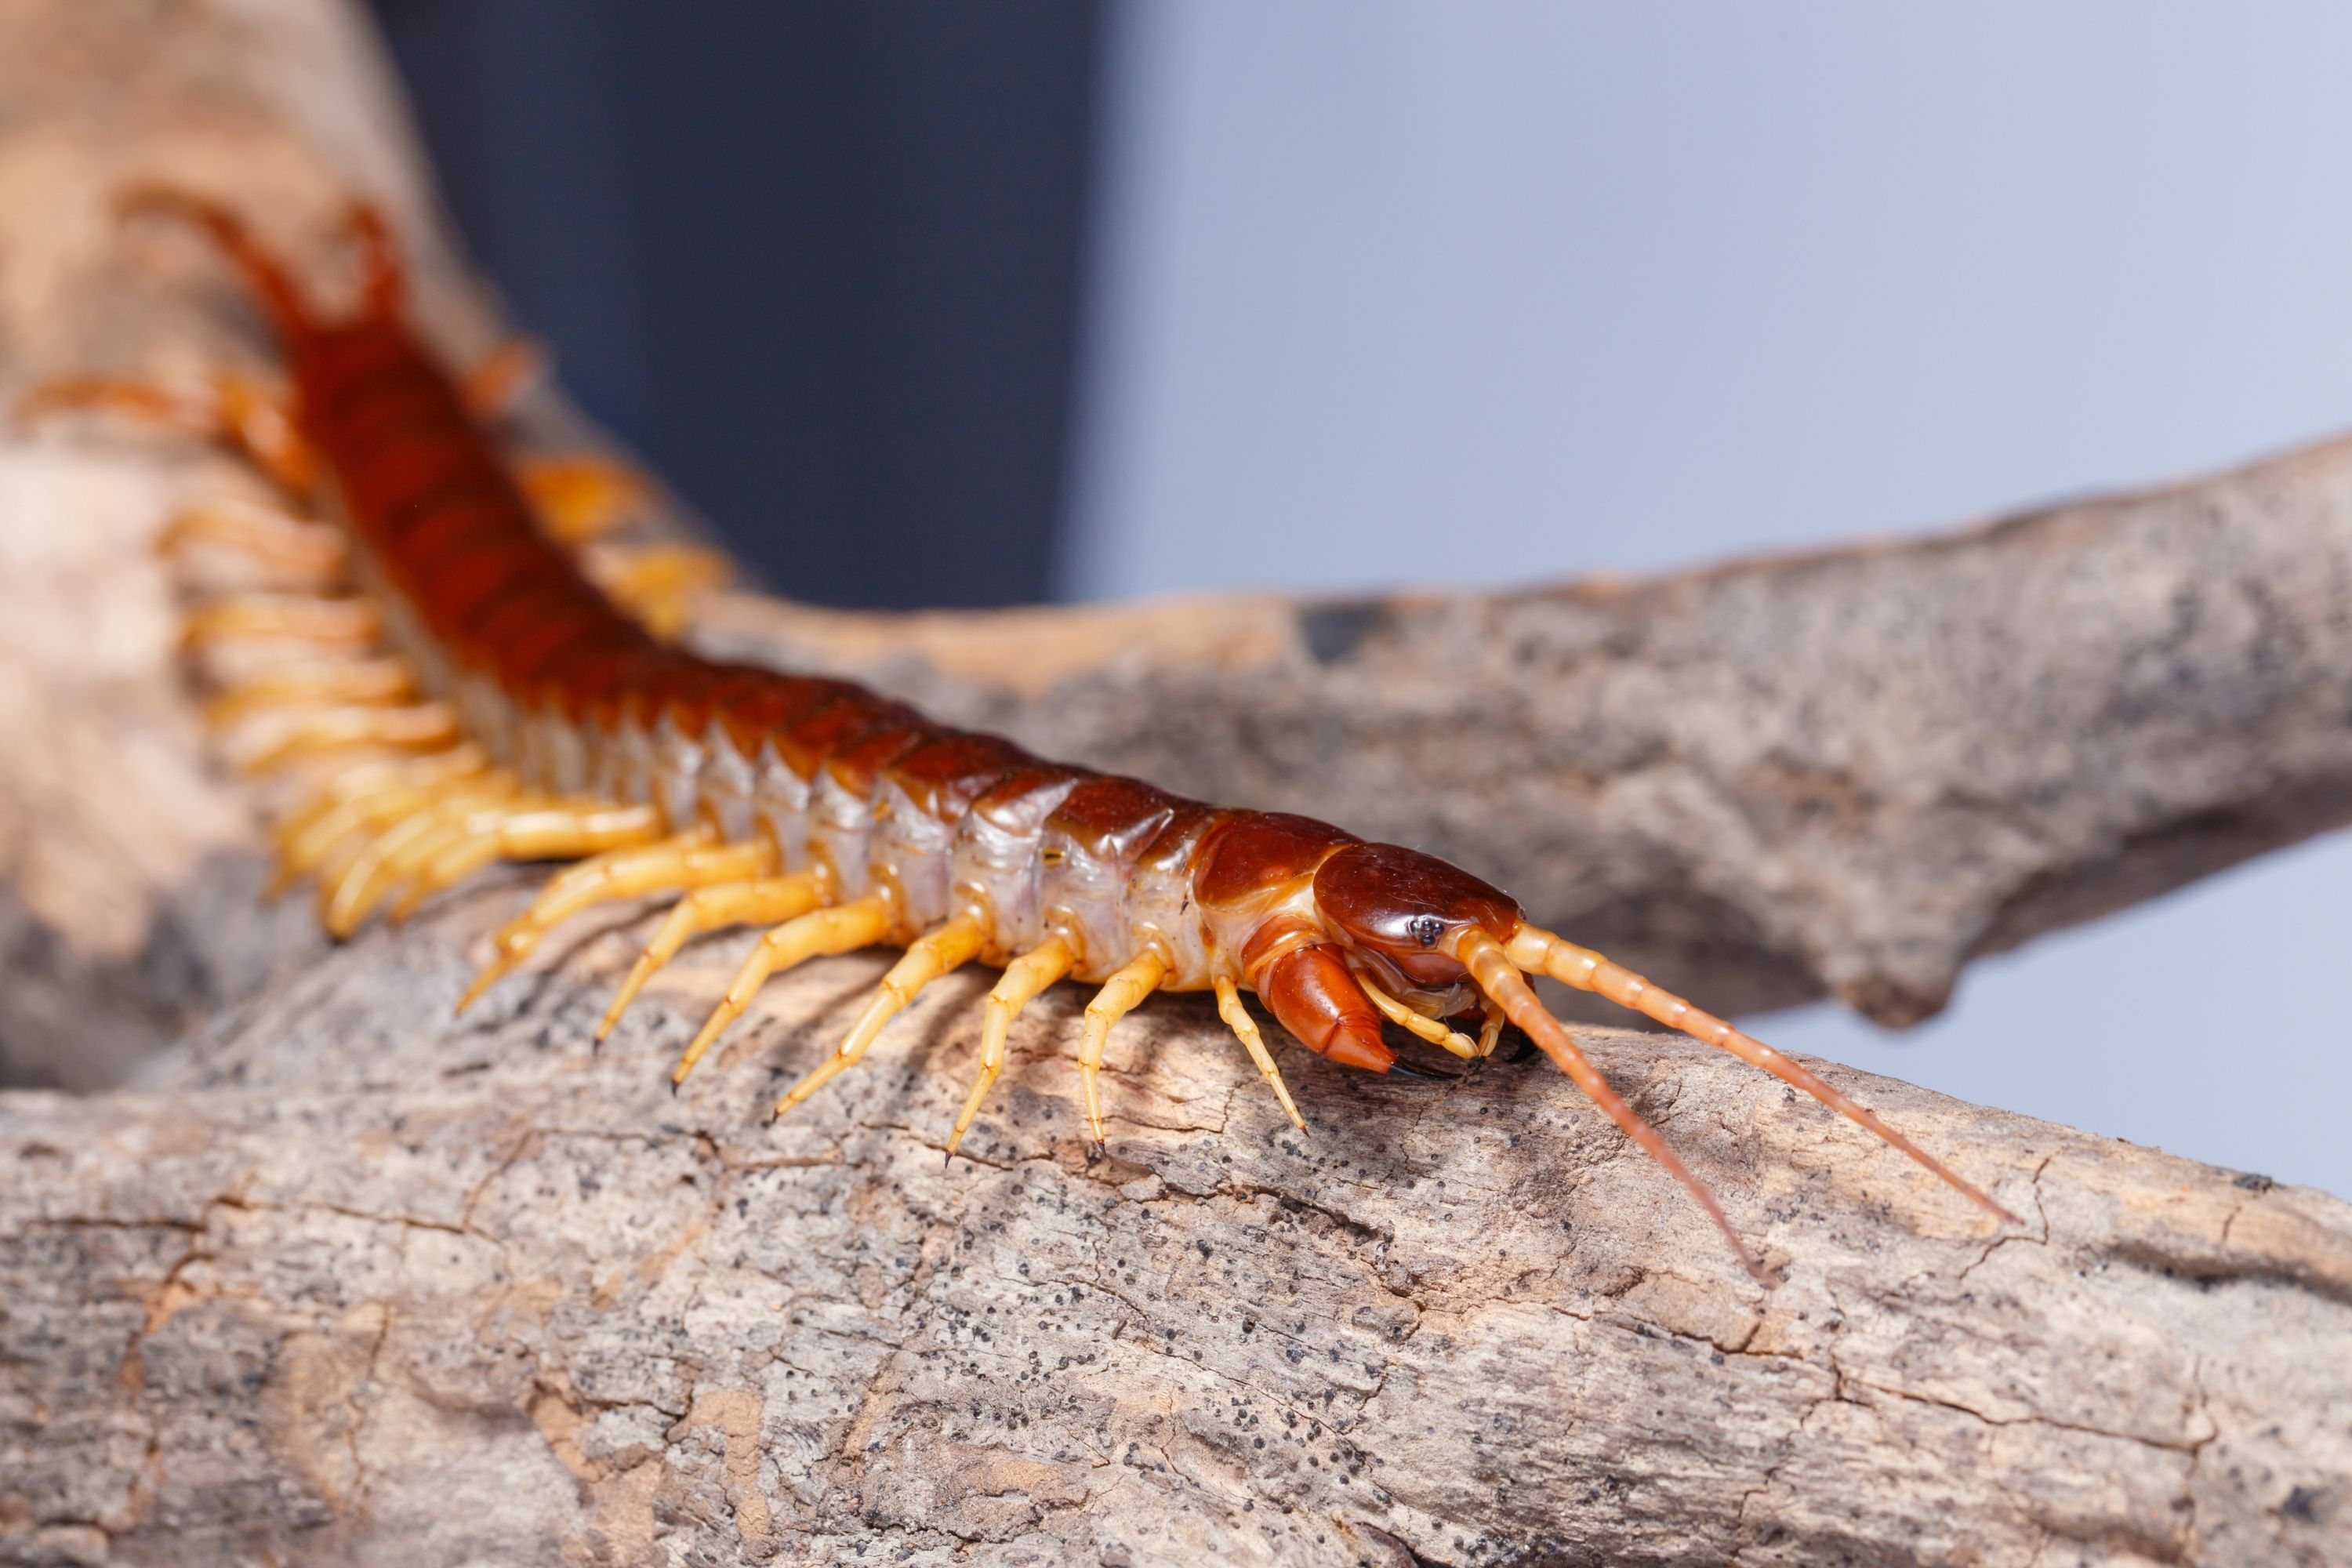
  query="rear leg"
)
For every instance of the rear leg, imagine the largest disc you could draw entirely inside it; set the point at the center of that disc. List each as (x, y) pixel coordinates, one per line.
(563, 830)
(356, 799)
(292, 549)
(582, 498)
(344, 623)
(685, 860)
(328, 683)
(500, 380)
(657, 584)
(376, 727)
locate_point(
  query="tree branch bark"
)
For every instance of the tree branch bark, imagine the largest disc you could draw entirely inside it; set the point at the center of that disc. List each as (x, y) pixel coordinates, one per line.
(339, 1280)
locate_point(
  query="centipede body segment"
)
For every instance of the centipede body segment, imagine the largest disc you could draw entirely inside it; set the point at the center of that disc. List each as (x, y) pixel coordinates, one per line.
(441, 659)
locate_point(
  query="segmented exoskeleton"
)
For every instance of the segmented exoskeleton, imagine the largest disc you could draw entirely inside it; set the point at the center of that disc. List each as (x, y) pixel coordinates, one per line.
(477, 697)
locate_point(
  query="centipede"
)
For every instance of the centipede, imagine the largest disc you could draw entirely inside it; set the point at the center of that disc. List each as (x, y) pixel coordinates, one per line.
(460, 686)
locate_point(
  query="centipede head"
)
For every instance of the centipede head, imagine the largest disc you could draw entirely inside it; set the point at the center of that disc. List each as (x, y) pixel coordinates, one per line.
(1410, 912)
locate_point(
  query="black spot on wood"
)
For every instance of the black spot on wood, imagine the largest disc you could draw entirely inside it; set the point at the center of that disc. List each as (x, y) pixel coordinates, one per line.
(1332, 632)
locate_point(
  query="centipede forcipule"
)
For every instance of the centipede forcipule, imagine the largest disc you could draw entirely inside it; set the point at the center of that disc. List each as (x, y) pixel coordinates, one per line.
(458, 691)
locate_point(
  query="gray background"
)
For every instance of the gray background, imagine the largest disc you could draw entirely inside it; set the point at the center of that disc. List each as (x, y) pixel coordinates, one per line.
(1390, 293)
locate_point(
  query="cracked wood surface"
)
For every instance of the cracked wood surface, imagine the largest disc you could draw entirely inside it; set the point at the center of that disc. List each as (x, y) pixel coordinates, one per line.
(339, 1280)
(346, 1282)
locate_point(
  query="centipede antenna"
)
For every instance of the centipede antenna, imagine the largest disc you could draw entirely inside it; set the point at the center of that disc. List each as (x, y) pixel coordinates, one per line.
(279, 298)
(1496, 976)
(1537, 950)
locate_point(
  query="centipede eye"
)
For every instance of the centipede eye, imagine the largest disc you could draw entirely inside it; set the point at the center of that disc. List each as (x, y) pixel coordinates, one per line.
(1408, 908)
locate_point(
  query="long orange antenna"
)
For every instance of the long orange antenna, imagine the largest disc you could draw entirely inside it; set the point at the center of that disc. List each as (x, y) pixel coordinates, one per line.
(1499, 979)
(262, 273)
(1539, 951)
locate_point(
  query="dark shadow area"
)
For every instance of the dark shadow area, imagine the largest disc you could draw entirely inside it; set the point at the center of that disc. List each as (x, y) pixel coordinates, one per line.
(818, 263)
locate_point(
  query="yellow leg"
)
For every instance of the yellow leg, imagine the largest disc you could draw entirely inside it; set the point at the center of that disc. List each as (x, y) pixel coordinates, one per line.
(302, 617)
(1429, 1029)
(360, 680)
(414, 727)
(1237, 1019)
(467, 822)
(1492, 1034)
(381, 811)
(582, 497)
(763, 901)
(934, 953)
(310, 551)
(861, 922)
(341, 834)
(696, 860)
(552, 832)
(1120, 994)
(355, 884)
(1020, 984)
(352, 801)
(228, 408)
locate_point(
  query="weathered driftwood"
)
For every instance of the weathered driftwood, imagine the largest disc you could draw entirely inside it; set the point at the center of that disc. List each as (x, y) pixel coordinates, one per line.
(344, 1281)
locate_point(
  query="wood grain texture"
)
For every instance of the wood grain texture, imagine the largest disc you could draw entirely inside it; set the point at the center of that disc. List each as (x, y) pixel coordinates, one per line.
(338, 1280)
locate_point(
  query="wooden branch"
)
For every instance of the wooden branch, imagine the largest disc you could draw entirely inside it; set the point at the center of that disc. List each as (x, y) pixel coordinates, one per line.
(342, 1280)
(349, 1282)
